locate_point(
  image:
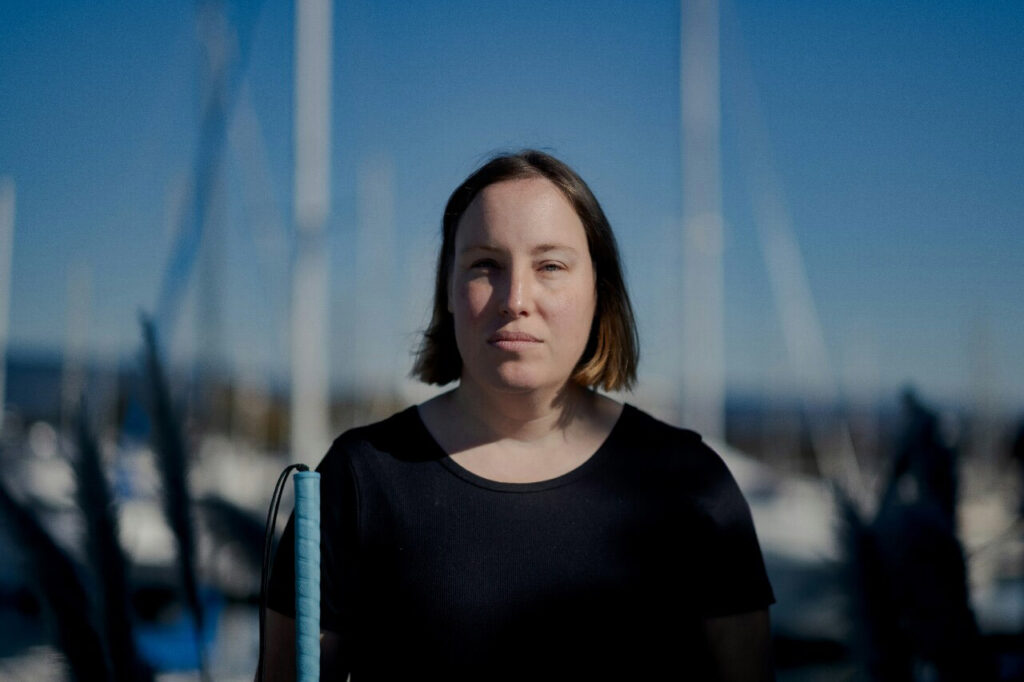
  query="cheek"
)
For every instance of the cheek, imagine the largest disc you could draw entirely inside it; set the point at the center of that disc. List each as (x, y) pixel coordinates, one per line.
(470, 298)
(587, 311)
(577, 314)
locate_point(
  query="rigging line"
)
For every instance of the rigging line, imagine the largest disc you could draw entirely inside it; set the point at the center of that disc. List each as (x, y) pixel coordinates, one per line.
(801, 324)
(208, 159)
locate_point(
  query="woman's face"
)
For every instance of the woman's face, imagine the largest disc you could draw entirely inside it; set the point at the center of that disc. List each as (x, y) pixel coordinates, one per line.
(522, 289)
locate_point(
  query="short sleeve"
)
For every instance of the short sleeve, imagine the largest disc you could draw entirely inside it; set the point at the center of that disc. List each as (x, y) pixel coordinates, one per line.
(730, 571)
(338, 547)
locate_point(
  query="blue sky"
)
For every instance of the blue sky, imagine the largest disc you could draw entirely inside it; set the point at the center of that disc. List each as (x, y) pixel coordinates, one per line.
(895, 131)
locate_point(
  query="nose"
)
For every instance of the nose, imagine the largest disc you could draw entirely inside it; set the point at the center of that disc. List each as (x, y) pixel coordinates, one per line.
(514, 301)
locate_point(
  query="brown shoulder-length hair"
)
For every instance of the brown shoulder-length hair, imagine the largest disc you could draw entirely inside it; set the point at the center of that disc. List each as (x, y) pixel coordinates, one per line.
(612, 352)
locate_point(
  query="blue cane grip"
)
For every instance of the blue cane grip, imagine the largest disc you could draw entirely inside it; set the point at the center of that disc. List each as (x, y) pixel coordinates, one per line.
(307, 576)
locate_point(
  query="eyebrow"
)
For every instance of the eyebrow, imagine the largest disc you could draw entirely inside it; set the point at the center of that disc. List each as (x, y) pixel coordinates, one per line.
(540, 248)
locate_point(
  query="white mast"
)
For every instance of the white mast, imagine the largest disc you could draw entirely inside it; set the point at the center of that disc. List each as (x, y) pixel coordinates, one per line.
(309, 306)
(6, 260)
(703, 352)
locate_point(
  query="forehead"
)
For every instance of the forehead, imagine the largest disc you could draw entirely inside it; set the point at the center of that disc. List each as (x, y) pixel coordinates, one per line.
(524, 210)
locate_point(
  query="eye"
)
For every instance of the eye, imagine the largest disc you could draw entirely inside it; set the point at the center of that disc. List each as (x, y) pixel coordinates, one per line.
(484, 263)
(552, 267)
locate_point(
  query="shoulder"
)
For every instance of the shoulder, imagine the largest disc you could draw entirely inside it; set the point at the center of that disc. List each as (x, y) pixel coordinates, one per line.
(685, 470)
(682, 446)
(652, 431)
(400, 438)
(679, 453)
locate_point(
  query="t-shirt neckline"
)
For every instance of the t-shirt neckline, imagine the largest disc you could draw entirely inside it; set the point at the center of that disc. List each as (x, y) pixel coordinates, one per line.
(591, 463)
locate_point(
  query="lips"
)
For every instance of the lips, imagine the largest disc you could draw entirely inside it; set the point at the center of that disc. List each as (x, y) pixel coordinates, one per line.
(512, 336)
(512, 340)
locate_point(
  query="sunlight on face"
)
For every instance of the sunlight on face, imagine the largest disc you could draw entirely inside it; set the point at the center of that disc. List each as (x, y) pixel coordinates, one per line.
(522, 290)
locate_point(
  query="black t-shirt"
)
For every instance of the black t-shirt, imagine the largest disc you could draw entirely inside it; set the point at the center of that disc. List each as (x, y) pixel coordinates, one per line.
(430, 571)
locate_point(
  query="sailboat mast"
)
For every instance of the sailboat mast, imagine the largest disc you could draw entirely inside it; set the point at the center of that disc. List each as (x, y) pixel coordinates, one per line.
(309, 305)
(703, 351)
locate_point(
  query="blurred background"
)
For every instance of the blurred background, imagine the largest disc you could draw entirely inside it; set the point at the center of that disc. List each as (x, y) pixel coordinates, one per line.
(218, 227)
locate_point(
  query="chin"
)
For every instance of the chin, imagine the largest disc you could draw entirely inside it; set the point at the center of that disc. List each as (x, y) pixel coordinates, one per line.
(517, 380)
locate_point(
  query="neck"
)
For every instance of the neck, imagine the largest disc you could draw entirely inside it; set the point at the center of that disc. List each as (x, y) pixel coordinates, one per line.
(526, 416)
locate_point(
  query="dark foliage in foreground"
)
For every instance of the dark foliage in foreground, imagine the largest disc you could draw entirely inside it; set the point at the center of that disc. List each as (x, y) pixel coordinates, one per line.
(103, 549)
(57, 582)
(172, 457)
(909, 591)
(877, 639)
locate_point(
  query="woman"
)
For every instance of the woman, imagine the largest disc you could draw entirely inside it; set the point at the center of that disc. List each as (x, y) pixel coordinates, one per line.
(521, 525)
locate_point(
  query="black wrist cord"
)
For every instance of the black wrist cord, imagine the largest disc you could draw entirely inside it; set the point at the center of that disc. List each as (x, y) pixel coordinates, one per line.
(275, 502)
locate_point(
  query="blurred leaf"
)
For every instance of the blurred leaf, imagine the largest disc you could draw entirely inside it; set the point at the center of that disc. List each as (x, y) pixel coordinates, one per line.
(106, 557)
(57, 580)
(172, 458)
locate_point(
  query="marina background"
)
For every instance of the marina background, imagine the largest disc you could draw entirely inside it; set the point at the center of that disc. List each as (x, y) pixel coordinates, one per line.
(148, 165)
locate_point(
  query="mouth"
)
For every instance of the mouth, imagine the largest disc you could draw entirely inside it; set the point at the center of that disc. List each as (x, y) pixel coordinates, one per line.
(510, 340)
